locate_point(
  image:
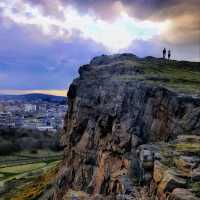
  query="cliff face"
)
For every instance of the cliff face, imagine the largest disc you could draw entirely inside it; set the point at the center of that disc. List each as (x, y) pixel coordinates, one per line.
(131, 131)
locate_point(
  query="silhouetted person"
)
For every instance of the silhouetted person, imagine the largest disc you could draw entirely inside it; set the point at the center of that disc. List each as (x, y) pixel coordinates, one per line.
(164, 53)
(169, 54)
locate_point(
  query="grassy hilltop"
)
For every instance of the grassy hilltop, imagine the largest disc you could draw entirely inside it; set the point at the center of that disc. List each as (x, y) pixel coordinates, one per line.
(181, 76)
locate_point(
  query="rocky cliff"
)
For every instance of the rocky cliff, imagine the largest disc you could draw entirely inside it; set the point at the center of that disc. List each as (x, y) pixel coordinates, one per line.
(132, 131)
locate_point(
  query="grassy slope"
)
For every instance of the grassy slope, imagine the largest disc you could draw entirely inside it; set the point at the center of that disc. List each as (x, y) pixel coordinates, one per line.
(29, 176)
(180, 76)
(35, 188)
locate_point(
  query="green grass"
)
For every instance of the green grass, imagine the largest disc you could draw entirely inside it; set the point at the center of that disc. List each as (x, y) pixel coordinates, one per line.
(188, 147)
(180, 76)
(174, 75)
(39, 154)
(24, 168)
(195, 186)
(26, 157)
(1, 176)
(35, 188)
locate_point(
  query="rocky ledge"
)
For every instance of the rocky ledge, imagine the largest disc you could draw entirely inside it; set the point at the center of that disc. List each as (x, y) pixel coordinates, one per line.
(132, 131)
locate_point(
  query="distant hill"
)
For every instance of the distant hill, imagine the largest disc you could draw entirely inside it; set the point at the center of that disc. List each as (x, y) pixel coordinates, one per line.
(34, 97)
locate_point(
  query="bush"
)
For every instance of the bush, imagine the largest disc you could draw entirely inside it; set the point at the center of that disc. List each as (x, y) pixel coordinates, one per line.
(12, 139)
(8, 147)
(33, 151)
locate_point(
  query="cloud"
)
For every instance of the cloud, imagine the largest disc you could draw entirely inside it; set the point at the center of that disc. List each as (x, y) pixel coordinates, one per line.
(3, 76)
(58, 16)
(43, 43)
(114, 36)
(183, 34)
(184, 30)
(142, 9)
(105, 22)
(183, 14)
(155, 46)
(31, 64)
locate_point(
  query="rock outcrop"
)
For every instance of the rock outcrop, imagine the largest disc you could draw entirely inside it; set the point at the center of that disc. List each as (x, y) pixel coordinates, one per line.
(131, 131)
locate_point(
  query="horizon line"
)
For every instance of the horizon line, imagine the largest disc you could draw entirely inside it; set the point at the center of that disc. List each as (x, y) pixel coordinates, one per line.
(39, 91)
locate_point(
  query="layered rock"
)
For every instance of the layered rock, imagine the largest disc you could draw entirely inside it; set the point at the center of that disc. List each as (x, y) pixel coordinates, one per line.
(117, 123)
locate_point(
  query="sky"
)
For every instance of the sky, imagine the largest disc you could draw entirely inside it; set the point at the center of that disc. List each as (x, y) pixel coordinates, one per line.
(43, 42)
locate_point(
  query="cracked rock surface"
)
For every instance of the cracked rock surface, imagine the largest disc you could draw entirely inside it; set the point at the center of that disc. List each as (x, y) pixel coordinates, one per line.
(126, 137)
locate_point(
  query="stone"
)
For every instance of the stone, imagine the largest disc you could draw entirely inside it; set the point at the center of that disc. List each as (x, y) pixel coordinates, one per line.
(127, 184)
(187, 163)
(117, 114)
(188, 138)
(158, 156)
(125, 197)
(171, 180)
(182, 194)
(135, 171)
(76, 195)
(158, 171)
(147, 177)
(147, 158)
(195, 174)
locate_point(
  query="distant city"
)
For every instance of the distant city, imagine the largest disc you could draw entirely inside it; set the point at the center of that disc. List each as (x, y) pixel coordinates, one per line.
(33, 111)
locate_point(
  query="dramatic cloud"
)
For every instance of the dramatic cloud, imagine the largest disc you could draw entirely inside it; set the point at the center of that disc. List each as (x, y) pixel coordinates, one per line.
(183, 14)
(43, 42)
(155, 10)
(115, 24)
(32, 64)
(114, 36)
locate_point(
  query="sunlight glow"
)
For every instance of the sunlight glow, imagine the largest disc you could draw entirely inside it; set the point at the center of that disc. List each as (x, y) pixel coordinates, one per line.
(114, 36)
(51, 92)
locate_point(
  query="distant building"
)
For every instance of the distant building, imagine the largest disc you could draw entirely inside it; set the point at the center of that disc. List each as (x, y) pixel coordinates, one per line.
(1, 107)
(30, 108)
(32, 115)
(6, 119)
(12, 108)
(46, 128)
(42, 107)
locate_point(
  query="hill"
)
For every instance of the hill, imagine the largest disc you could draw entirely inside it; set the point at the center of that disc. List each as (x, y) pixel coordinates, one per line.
(132, 131)
(179, 76)
(34, 97)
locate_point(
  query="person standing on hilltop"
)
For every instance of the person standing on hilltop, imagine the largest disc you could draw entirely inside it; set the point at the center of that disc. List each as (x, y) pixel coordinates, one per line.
(169, 54)
(164, 53)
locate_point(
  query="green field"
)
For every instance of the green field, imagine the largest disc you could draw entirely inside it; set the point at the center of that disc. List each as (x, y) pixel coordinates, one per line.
(21, 173)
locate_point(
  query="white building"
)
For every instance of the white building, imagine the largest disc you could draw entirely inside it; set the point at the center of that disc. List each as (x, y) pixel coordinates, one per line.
(46, 128)
(30, 107)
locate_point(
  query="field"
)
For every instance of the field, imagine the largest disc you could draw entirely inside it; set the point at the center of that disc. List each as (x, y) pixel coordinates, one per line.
(25, 175)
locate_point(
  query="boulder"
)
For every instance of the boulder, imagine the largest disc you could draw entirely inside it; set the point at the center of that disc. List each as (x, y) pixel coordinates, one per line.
(158, 171)
(147, 177)
(76, 195)
(188, 138)
(171, 179)
(125, 197)
(147, 158)
(127, 184)
(182, 194)
(187, 163)
(195, 174)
